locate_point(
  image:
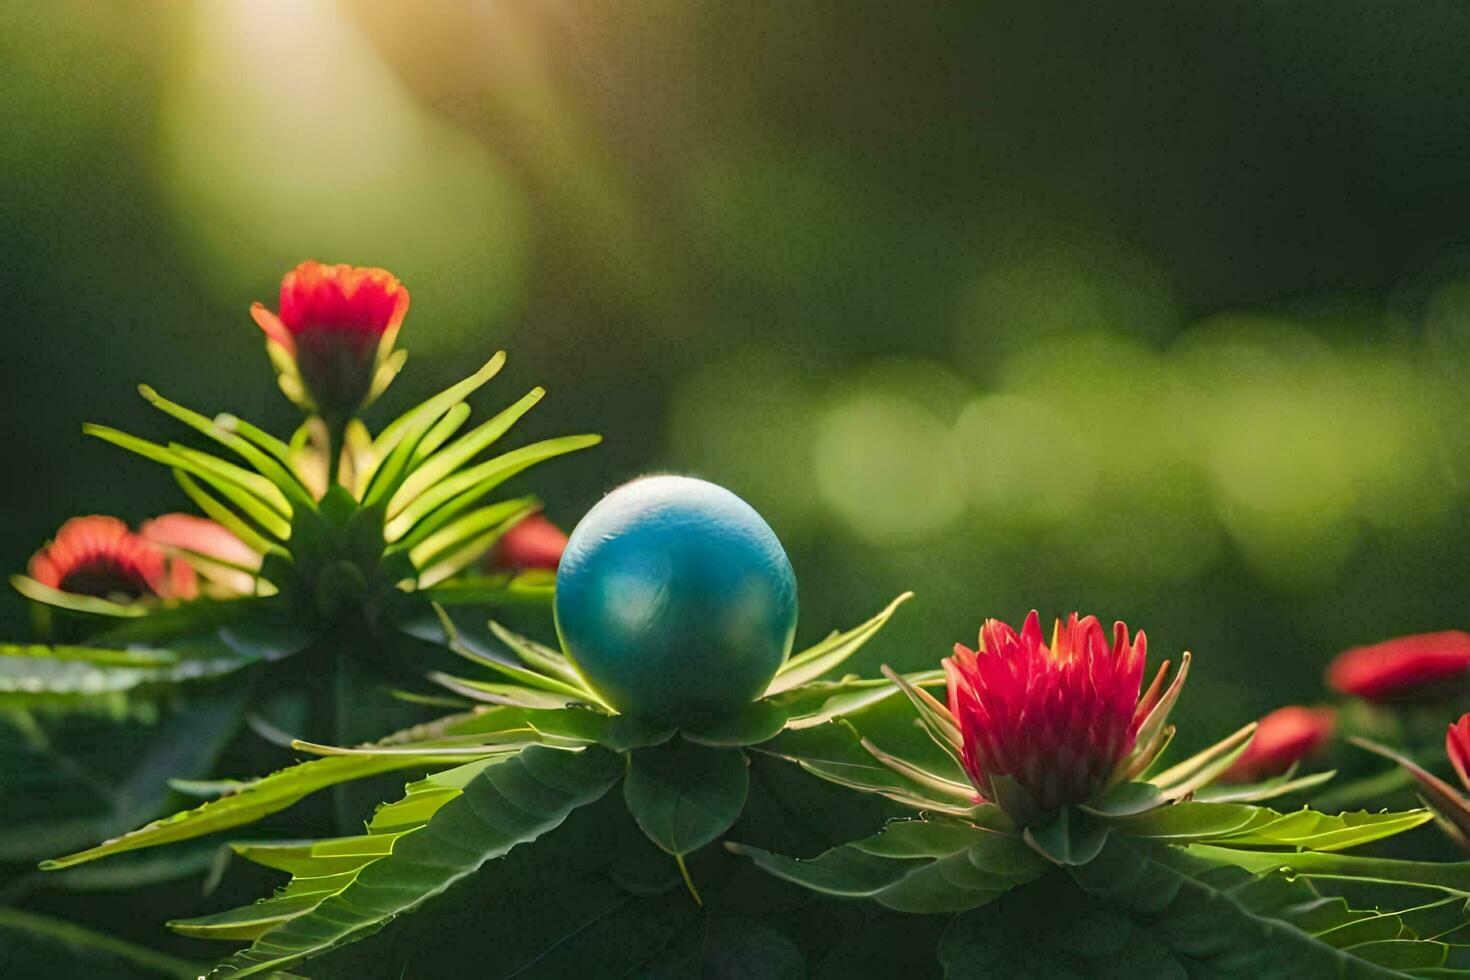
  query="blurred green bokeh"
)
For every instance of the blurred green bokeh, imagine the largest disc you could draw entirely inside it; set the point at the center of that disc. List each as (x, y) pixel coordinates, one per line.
(1161, 313)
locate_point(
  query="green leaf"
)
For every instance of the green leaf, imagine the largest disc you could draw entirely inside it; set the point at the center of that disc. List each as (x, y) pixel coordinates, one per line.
(1204, 767)
(1193, 821)
(684, 795)
(510, 803)
(818, 702)
(217, 511)
(253, 801)
(914, 866)
(834, 751)
(36, 945)
(397, 446)
(86, 671)
(117, 770)
(1453, 878)
(276, 470)
(1287, 782)
(37, 592)
(467, 486)
(464, 449)
(247, 490)
(434, 407)
(750, 724)
(323, 868)
(1309, 830)
(441, 432)
(520, 675)
(815, 661)
(497, 516)
(1225, 922)
(533, 586)
(552, 663)
(465, 542)
(1073, 838)
(278, 449)
(507, 694)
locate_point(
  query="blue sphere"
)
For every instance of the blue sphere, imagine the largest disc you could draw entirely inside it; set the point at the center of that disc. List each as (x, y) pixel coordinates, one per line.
(675, 600)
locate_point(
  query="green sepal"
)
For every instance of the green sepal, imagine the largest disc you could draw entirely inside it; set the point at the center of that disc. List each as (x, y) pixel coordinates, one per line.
(914, 866)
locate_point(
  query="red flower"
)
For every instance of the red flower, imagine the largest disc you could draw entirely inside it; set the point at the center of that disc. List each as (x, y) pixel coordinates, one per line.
(215, 553)
(1285, 737)
(98, 556)
(332, 342)
(1051, 725)
(1457, 747)
(1408, 666)
(533, 543)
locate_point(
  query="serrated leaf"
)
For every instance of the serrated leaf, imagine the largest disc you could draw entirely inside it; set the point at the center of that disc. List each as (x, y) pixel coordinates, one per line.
(1221, 920)
(508, 804)
(1193, 821)
(254, 800)
(914, 866)
(1450, 877)
(684, 795)
(323, 868)
(1309, 830)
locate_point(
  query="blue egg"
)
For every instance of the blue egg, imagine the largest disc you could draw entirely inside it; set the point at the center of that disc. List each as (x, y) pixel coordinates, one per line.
(675, 599)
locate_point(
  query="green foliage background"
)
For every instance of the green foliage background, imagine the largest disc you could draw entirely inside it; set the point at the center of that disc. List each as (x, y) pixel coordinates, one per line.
(1158, 312)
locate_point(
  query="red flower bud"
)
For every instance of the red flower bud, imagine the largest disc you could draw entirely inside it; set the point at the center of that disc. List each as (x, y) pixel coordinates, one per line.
(332, 342)
(98, 556)
(1284, 737)
(1402, 668)
(533, 543)
(1060, 722)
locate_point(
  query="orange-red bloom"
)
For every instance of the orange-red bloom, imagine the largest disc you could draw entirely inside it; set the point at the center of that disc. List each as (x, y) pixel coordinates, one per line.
(332, 340)
(533, 543)
(1284, 737)
(1059, 722)
(1406, 667)
(216, 553)
(98, 556)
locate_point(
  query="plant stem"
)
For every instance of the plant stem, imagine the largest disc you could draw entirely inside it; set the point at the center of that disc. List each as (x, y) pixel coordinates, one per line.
(336, 442)
(341, 697)
(688, 881)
